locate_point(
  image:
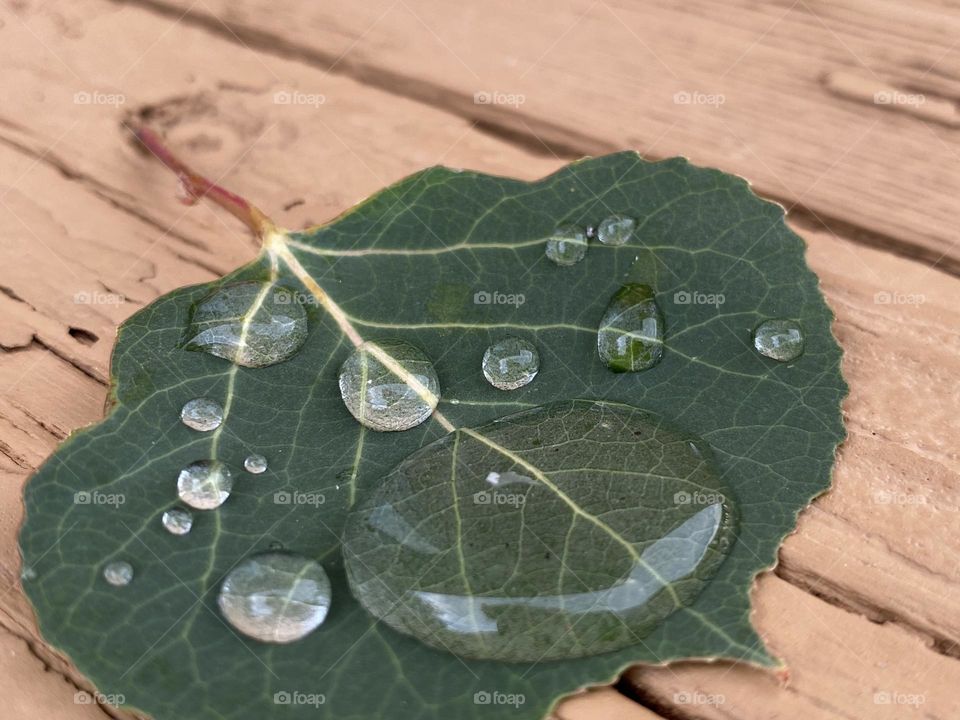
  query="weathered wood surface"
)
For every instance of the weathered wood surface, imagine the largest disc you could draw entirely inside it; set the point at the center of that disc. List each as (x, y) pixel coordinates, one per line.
(864, 604)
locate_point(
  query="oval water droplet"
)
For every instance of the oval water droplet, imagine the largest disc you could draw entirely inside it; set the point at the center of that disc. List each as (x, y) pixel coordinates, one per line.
(255, 464)
(616, 230)
(275, 597)
(27, 574)
(118, 573)
(511, 363)
(202, 414)
(389, 385)
(466, 560)
(250, 323)
(630, 337)
(177, 521)
(205, 484)
(779, 339)
(567, 245)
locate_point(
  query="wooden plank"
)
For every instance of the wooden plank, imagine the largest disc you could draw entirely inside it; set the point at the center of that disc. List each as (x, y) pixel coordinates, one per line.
(781, 92)
(93, 204)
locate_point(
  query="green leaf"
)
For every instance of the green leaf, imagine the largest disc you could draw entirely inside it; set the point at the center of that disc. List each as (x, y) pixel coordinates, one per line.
(431, 261)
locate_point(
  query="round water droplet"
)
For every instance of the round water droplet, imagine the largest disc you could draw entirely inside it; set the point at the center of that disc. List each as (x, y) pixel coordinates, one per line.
(631, 330)
(276, 597)
(571, 529)
(779, 339)
(118, 573)
(255, 464)
(250, 323)
(27, 574)
(511, 363)
(567, 245)
(205, 484)
(177, 521)
(389, 385)
(202, 414)
(616, 230)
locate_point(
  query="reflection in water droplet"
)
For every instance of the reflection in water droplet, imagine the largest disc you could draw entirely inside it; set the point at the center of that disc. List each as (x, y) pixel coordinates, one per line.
(255, 464)
(779, 339)
(567, 245)
(118, 573)
(28, 573)
(631, 330)
(465, 560)
(205, 484)
(378, 397)
(202, 414)
(276, 597)
(177, 521)
(250, 323)
(616, 230)
(511, 363)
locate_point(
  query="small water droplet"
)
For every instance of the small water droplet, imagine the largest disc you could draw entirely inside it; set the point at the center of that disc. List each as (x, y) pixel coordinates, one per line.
(28, 573)
(255, 464)
(276, 597)
(250, 323)
(118, 573)
(381, 399)
(511, 363)
(567, 245)
(177, 521)
(616, 230)
(205, 484)
(779, 339)
(631, 330)
(202, 414)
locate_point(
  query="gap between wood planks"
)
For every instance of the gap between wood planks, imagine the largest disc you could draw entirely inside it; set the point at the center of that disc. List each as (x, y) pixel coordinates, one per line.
(531, 134)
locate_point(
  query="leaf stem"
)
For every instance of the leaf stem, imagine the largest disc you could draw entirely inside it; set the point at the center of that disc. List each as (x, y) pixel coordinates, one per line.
(196, 186)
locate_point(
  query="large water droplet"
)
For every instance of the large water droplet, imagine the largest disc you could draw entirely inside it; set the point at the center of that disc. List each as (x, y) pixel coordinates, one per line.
(177, 521)
(631, 330)
(276, 597)
(567, 245)
(779, 339)
(250, 323)
(202, 414)
(118, 573)
(255, 464)
(511, 363)
(571, 529)
(389, 385)
(205, 484)
(616, 230)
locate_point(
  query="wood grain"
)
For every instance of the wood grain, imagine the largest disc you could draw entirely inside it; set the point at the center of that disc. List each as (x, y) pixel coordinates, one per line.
(865, 598)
